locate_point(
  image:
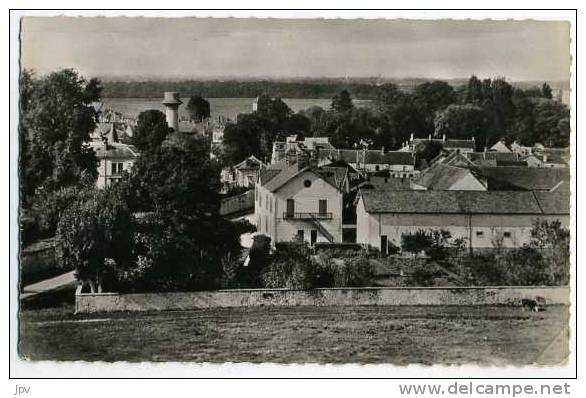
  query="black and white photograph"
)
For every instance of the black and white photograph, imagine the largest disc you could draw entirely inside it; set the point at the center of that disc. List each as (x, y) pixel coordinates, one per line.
(294, 190)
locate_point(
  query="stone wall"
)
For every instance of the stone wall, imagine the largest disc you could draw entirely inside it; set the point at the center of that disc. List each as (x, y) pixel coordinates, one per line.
(109, 302)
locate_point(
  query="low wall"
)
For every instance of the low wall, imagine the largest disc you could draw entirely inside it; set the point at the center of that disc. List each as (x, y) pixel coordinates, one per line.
(237, 204)
(108, 302)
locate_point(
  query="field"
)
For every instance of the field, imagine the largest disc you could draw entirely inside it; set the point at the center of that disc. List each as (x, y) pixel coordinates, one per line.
(395, 335)
(226, 107)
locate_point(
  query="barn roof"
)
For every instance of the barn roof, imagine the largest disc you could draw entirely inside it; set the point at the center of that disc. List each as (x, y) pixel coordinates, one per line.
(528, 178)
(441, 176)
(464, 202)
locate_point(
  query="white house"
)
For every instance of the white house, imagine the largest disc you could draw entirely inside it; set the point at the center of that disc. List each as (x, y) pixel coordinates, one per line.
(114, 158)
(462, 146)
(298, 201)
(483, 219)
(244, 174)
(399, 164)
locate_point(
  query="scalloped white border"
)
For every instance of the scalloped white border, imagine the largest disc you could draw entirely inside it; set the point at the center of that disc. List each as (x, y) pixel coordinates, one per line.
(20, 368)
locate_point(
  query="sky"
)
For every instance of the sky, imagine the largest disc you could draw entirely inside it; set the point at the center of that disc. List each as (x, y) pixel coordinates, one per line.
(201, 48)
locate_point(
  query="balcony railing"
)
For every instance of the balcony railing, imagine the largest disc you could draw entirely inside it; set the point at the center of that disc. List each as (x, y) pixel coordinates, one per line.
(307, 216)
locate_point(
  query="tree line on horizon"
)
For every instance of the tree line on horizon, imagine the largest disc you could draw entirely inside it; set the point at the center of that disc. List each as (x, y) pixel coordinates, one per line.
(488, 110)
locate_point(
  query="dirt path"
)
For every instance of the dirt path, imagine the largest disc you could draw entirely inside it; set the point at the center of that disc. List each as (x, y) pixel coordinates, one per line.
(48, 285)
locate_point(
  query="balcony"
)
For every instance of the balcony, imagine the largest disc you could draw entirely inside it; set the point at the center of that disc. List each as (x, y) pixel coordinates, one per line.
(307, 216)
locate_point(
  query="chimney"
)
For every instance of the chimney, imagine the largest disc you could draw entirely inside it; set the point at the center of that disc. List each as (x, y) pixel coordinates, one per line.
(429, 137)
(172, 102)
(382, 150)
(444, 138)
(112, 136)
(303, 160)
(411, 137)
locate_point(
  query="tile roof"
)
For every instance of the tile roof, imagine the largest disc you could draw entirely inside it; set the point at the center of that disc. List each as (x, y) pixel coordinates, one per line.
(275, 176)
(463, 202)
(250, 163)
(498, 156)
(528, 178)
(113, 150)
(334, 175)
(557, 202)
(376, 157)
(441, 177)
(449, 143)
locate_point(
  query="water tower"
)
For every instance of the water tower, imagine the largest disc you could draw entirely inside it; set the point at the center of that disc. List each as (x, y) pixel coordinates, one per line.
(172, 102)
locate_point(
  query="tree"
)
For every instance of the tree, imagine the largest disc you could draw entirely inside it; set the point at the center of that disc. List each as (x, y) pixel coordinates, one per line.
(432, 97)
(174, 179)
(546, 91)
(399, 116)
(474, 94)
(198, 108)
(552, 123)
(553, 241)
(427, 151)
(55, 123)
(250, 135)
(463, 122)
(342, 102)
(182, 241)
(151, 130)
(94, 237)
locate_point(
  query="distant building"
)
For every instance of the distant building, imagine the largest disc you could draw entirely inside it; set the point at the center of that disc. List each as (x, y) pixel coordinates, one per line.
(442, 177)
(462, 146)
(482, 219)
(172, 103)
(500, 146)
(114, 158)
(399, 164)
(244, 174)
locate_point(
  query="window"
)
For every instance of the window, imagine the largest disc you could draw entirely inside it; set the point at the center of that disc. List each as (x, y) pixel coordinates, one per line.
(307, 183)
(313, 236)
(383, 244)
(377, 167)
(301, 235)
(267, 201)
(323, 206)
(256, 193)
(117, 168)
(507, 234)
(290, 208)
(270, 205)
(479, 234)
(260, 200)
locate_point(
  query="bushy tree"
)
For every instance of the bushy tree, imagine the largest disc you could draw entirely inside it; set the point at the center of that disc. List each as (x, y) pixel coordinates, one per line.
(342, 102)
(463, 122)
(48, 207)
(432, 97)
(55, 123)
(553, 242)
(546, 91)
(151, 130)
(198, 108)
(94, 237)
(427, 151)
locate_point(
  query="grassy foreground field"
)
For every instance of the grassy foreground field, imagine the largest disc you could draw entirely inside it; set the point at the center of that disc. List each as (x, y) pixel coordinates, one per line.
(395, 335)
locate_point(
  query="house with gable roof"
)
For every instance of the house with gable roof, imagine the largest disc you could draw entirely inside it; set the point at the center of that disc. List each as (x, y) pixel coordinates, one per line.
(299, 200)
(484, 219)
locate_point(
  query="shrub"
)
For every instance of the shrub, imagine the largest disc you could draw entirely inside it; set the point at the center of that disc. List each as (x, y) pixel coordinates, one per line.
(290, 267)
(355, 271)
(94, 238)
(424, 275)
(175, 253)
